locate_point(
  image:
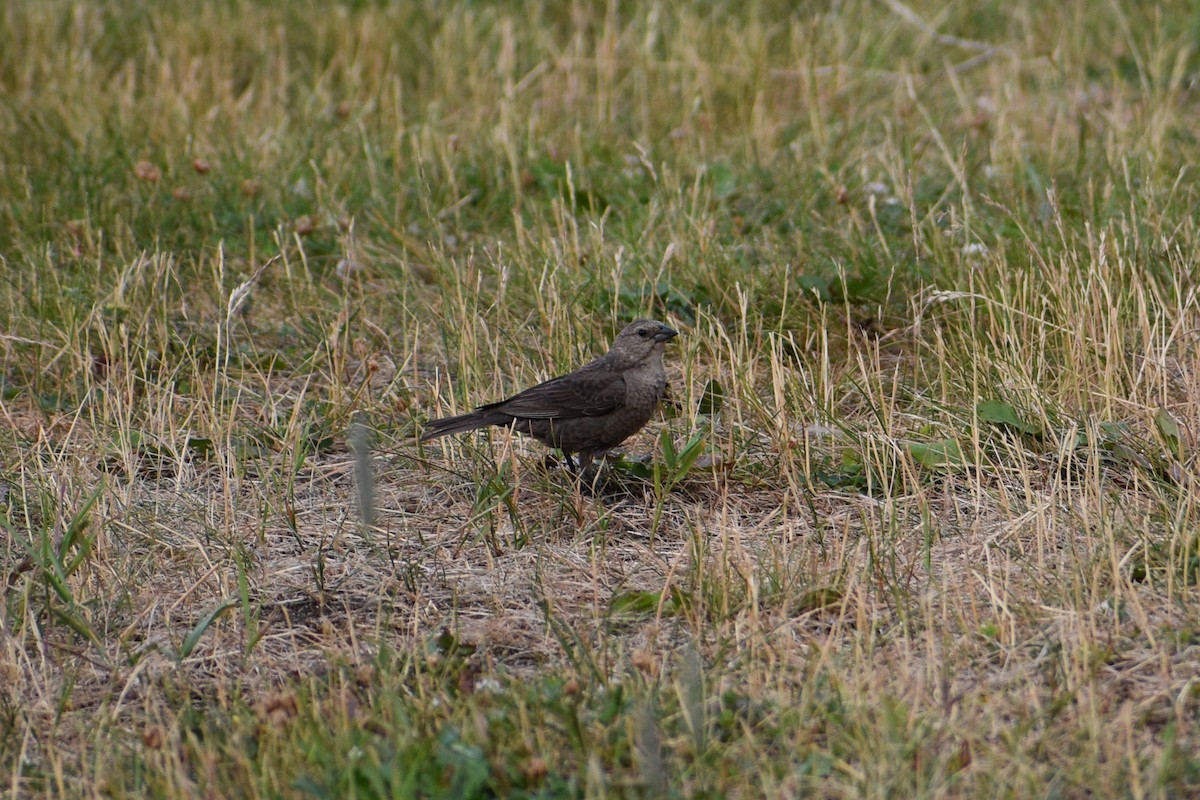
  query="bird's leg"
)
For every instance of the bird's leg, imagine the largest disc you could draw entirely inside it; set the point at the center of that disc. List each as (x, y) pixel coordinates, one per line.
(576, 470)
(589, 471)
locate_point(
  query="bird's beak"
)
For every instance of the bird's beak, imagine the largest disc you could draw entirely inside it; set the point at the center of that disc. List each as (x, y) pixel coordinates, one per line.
(666, 334)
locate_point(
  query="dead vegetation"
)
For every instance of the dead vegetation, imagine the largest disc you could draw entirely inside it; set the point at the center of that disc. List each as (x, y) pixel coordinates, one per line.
(919, 521)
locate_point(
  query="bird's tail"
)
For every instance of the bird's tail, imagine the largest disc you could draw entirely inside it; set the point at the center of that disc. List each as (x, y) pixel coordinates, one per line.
(460, 424)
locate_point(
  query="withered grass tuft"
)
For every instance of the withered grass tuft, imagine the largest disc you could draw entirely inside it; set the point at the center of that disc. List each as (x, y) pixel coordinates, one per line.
(920, 520)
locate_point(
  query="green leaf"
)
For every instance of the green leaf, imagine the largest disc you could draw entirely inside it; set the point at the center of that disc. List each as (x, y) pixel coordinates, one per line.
(724, 181)
(945, 454)
(641, 468)
(75, 530)
(1114, 430)
(202, 445)
(635, 602)
(446, 643)
(668, 450)
(1169, 430)
(466, 765)
(193, 638)
(816, 286)
(77, 624)
(848, 471)
(687, 457)
(676, 464)
(713, 399)
(816, 600)
(644, 603)
(998, 413)
(84, 551)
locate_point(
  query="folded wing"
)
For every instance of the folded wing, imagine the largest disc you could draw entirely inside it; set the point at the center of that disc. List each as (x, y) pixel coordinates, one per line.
(581, 394)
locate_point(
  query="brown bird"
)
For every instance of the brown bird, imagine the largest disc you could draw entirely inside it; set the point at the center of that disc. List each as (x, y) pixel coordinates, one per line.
(587, 411)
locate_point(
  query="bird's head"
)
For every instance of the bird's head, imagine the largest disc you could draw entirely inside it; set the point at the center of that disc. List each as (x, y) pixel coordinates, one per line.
(641, 340)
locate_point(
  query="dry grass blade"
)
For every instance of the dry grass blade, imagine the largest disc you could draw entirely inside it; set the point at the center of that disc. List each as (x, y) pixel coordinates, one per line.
(919, 520)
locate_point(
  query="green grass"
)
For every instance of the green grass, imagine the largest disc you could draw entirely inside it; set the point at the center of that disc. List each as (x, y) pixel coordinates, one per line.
(921, 519)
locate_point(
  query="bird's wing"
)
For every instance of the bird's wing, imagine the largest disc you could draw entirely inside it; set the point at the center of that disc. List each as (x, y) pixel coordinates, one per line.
(587, 393)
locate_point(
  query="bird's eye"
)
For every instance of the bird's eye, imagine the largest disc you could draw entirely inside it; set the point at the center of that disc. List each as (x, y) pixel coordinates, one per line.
(643, 333)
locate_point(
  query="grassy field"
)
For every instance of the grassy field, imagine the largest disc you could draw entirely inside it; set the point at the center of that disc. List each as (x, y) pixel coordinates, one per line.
(920, 520)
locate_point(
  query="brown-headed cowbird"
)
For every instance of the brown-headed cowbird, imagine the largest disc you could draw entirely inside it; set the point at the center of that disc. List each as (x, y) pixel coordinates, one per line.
(587, 411)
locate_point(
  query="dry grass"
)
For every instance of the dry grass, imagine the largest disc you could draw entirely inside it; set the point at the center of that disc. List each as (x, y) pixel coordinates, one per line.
(936, 268)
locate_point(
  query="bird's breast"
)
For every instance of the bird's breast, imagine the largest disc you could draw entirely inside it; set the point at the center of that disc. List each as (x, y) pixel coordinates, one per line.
(644, 388)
